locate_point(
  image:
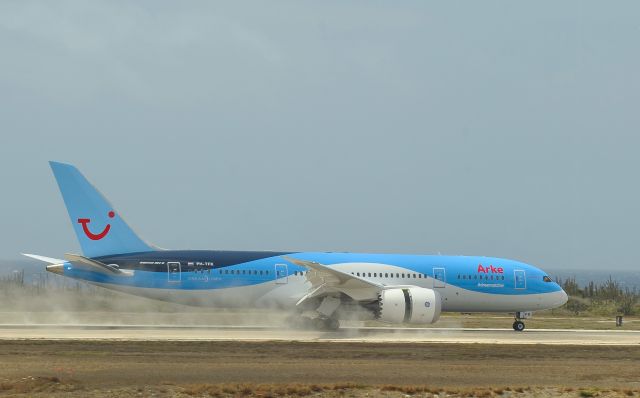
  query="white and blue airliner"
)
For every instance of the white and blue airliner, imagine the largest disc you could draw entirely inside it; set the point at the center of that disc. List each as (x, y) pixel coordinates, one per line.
(320, 288)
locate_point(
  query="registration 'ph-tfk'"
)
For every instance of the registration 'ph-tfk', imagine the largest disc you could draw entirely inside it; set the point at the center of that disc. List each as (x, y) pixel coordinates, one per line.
(319, 288)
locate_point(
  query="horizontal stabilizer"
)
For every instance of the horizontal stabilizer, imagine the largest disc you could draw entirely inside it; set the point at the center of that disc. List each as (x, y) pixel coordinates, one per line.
(96, 266)
(49, 260)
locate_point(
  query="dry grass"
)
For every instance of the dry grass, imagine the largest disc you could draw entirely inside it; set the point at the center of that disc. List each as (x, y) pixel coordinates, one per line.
(54, 387)
(267, 390)
(388, 390)
(31, 385)
(280, 369)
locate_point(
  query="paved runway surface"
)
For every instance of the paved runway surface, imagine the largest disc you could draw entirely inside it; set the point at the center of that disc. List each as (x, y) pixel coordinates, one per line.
(348, 334)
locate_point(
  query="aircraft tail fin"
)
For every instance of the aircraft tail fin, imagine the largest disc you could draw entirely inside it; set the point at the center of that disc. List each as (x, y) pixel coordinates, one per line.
(100, 230)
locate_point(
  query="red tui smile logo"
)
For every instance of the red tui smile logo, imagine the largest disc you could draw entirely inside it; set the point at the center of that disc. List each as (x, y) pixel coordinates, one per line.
(91, 235)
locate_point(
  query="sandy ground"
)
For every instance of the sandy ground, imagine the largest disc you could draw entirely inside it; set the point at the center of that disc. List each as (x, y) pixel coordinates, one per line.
(249, 353)
(268, 368)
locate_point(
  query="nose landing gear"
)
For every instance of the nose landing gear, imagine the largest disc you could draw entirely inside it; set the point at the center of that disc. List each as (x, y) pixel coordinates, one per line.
(518, 326)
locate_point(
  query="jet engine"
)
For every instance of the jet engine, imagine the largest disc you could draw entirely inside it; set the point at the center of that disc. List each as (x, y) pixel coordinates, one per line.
(409, 305)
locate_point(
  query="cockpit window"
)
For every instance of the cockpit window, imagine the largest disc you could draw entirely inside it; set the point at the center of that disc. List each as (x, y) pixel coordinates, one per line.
(546, 279)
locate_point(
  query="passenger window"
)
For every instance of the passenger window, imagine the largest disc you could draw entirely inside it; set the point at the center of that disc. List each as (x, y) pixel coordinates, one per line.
(386, 275)
(357, 274)
(419, 276)
(397, 275)
(402, 275)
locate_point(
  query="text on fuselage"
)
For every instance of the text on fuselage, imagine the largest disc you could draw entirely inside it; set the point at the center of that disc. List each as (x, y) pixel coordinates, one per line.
(490, 269)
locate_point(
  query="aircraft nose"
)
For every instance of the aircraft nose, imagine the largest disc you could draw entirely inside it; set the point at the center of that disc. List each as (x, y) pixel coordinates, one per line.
(556, 299)
(565, 297)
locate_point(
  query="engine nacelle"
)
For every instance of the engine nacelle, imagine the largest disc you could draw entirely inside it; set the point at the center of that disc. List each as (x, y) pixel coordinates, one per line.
(409, 305)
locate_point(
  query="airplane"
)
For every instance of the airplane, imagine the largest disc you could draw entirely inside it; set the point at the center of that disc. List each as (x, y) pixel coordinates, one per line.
(320, 288)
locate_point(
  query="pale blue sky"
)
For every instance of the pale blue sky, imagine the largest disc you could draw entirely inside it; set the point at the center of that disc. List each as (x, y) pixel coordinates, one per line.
(492, 128)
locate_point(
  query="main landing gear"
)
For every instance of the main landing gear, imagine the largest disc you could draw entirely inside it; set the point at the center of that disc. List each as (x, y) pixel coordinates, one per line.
(326, 324)
(316, 323)
(321, 317)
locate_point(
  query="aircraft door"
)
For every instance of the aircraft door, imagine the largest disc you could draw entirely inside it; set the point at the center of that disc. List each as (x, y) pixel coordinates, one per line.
(281, 274)
(520, 279)
(439, 277)
(174, 273)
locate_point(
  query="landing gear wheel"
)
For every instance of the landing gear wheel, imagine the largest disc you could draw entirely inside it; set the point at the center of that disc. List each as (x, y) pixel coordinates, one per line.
(319, 324)
(332, 324)
(298, 322)
(292, 321)
(518, 326)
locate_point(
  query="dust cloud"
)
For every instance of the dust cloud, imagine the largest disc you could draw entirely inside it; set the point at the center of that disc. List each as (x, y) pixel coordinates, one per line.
(53, 301)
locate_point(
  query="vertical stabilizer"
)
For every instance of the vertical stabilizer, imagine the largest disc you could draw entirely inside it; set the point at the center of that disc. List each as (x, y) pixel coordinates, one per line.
(99, 227)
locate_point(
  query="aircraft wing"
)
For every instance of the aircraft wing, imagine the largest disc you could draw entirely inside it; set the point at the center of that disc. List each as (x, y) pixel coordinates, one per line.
(94, 265)
(326, 280)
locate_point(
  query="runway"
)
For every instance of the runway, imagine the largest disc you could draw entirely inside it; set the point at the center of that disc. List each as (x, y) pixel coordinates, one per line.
(347, 334)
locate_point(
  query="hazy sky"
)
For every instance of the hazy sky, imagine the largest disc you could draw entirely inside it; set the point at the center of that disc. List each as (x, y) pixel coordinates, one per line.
(504, 129)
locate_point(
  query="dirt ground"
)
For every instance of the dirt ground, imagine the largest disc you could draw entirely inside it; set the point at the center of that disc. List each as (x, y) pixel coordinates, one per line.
(210, 368)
